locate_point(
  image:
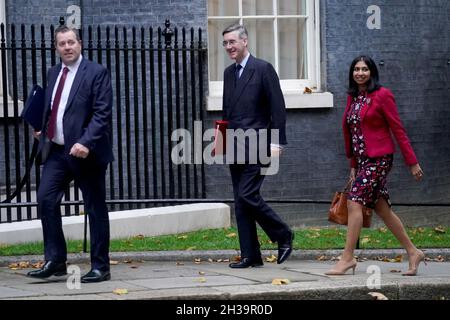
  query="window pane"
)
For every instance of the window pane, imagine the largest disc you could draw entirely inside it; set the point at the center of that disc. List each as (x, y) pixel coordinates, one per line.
(223, 7)
(218, 58)
(292, 7)
(257, 7)
(293, 53)
(261, 38)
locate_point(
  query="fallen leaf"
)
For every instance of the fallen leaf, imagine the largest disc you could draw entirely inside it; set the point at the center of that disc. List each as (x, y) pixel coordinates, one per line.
(201, 273)
(113, 262)
(439, 229)
(271, 259)
(219, 260)
(279, 282)
(322, 258)
(139, 237)
(180, 264)
(398, 258)
(127, 261)
(210, 260)
(236, 258)
(395, 271)
(120, 291)
(21, 265)
(383, 229)
(202, 280)
(197, 260)
(231, 235)
(365, 240)
(307, 90)
(378, 296)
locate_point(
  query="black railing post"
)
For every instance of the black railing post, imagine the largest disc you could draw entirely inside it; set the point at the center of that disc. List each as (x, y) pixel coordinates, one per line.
(168, 33)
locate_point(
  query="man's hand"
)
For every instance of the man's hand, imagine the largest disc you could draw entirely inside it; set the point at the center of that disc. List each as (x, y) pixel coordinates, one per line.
(79, 151)
(37, 134)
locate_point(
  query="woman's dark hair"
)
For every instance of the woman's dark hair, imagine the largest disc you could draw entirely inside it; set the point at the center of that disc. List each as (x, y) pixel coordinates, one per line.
(374, 82)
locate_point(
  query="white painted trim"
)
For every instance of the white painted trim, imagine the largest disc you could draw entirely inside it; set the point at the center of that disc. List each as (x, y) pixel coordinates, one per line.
(293, 100)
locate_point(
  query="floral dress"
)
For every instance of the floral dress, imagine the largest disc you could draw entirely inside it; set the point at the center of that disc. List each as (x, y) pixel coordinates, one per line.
(371, 173)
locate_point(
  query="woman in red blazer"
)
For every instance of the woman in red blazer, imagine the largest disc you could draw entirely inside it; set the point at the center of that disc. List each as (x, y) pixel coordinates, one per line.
(370, 117)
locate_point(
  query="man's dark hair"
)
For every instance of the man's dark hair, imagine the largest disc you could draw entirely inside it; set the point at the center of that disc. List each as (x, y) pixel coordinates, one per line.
(64, 29)
(243, 34)
(374, 82)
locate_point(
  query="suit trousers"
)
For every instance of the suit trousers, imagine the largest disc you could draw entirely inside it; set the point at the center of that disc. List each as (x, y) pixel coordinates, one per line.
(57, 174)
(250, 208)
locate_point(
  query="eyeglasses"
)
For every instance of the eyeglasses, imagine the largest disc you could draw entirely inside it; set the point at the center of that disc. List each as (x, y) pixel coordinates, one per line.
(231, 43)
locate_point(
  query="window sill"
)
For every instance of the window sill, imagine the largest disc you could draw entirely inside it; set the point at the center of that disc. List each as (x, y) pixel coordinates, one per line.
(10, 107)
(293, 100)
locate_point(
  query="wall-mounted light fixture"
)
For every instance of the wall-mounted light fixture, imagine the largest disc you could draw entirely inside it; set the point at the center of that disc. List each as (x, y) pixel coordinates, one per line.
(381, 63)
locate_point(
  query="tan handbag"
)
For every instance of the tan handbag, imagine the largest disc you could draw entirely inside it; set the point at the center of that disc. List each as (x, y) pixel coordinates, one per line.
(338, 212)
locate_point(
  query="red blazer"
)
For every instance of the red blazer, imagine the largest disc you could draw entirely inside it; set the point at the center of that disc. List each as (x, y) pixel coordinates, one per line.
(378, 119)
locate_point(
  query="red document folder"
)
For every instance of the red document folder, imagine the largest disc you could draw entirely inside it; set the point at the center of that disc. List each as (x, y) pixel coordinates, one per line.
(220, 138)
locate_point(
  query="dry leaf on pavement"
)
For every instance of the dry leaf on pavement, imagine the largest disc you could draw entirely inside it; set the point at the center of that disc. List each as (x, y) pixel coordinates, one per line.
(271, 259)
(378, 296)
(120, 291)
(202, 280)
(113, 262)
(279, 282)
(201, 273)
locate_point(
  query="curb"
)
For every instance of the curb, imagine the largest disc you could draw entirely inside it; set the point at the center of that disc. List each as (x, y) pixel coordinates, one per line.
(323, 255)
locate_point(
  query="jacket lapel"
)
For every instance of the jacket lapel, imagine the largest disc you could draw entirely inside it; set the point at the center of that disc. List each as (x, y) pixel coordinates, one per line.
(369, 102)
(81, 72)
(242, 82)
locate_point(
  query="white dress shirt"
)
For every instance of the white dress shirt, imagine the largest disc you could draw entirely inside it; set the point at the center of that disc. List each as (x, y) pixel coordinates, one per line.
(59, 132)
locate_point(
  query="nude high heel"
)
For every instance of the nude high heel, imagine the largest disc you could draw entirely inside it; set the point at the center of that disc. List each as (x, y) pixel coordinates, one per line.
(413, 271)
(334, 272)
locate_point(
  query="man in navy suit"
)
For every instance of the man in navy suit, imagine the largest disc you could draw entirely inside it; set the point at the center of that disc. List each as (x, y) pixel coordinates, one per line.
(253, 103)
(75, 144)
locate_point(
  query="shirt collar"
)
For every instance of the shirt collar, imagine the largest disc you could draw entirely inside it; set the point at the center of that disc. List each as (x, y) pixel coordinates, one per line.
(73, 67)
(244, 61)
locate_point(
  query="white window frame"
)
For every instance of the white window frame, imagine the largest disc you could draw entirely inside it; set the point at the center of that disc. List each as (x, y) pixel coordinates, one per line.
(293, 89)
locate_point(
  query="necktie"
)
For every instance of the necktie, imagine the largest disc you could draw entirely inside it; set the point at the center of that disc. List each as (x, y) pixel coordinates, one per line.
(237, 70)
(52, 122)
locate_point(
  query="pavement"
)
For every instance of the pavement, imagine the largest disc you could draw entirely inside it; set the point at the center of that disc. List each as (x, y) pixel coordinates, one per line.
(205, 275)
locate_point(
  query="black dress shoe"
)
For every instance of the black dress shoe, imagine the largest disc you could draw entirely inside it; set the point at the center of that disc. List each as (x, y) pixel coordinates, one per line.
(50, 268)
(96, 275)
(285, 249)
(246, 263)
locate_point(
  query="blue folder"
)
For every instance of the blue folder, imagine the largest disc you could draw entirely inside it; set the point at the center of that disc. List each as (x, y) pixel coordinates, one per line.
(33, 110)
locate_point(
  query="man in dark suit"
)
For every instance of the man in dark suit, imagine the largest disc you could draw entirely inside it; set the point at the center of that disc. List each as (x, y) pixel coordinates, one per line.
(75, 144)
(253, 102)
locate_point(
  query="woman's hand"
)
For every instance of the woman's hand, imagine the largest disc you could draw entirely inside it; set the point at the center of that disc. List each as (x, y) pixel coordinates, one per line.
(352, 174)
(416, 171)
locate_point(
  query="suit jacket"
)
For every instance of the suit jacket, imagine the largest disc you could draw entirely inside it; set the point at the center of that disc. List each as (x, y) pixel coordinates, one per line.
(378, 119)
(87, 116)
(255, 101)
